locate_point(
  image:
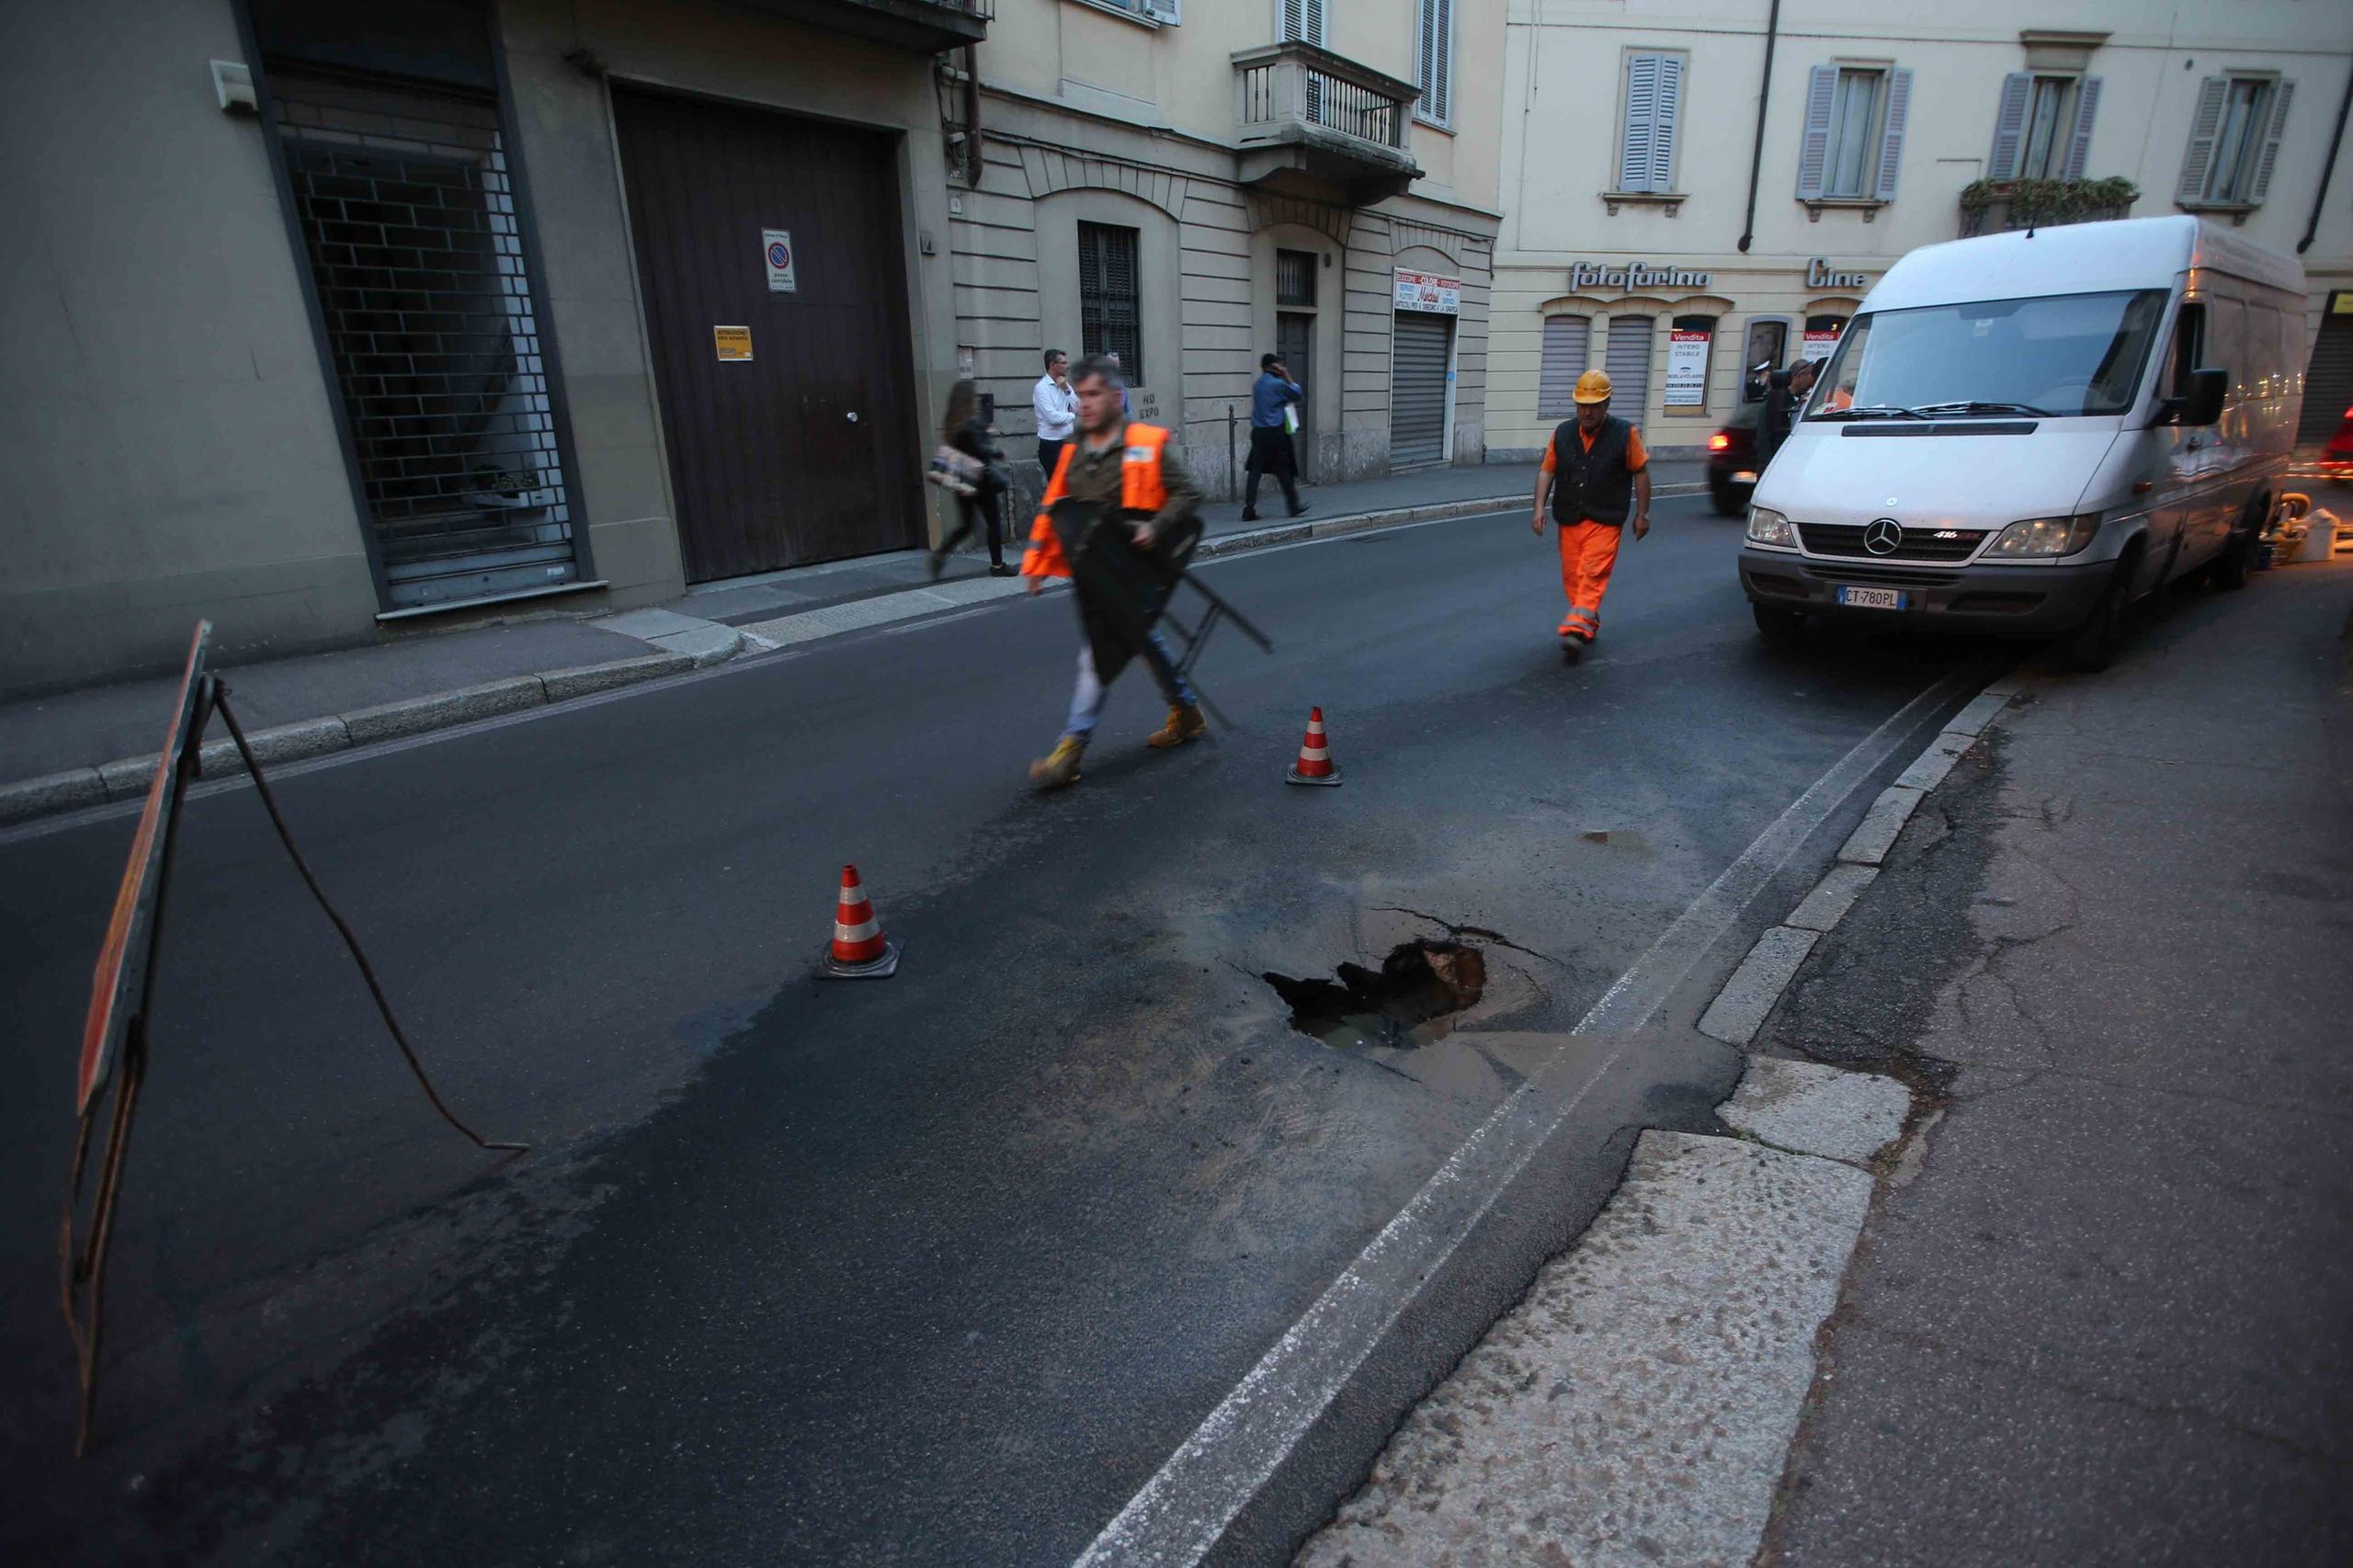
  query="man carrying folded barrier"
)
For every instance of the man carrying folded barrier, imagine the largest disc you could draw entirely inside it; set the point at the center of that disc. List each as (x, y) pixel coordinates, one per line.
(1119, 518)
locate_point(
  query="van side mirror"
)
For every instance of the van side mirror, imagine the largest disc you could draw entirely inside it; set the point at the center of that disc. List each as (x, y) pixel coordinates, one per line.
(2201, 404)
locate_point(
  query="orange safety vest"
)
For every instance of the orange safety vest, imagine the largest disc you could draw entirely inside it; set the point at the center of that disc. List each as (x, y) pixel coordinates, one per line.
(1142, 493)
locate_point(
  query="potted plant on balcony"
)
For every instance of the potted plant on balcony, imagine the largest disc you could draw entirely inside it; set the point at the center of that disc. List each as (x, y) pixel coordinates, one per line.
(2030, 203)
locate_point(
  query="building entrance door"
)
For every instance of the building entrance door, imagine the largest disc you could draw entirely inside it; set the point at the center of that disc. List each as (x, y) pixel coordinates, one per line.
(770, 260)
(1295, 347)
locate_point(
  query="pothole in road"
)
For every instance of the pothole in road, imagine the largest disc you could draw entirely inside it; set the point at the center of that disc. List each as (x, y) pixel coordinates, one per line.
(1411, 999)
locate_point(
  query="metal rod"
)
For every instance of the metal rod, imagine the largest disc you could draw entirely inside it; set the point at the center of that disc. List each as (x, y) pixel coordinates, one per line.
(2328, 169)
(351, 939)
(1757, 154)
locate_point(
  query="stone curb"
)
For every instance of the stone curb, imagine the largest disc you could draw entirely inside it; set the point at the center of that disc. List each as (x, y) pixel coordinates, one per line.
(126, 778)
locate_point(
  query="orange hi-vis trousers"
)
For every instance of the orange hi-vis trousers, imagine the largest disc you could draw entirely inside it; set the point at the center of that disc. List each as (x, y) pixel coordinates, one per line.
(1589, 551)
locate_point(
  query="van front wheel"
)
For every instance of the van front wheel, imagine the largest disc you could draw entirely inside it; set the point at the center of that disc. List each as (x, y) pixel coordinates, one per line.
(2093, 645)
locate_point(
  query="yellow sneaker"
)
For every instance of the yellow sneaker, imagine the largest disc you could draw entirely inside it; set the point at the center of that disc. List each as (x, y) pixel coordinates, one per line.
(1059, 768)
(1184, 723)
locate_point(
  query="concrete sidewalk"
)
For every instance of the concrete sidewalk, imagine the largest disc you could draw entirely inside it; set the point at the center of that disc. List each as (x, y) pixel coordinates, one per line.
(85, 748)
(2107, 1320)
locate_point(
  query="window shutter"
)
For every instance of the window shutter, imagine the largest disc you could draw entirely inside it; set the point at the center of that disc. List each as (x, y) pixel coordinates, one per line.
(2079, 147)
(2009, 125)
(1891, 140)
(2203, 127)
(1311, 21)
(1813, 150)
(2280, 95)
(1168, 12)
(1670, 104)
(1641, 122)
(1292, 22)
(1568, 348)
(1442, 79)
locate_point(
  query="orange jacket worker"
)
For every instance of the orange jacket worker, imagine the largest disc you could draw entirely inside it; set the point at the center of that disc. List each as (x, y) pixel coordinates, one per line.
(1595, 473)
(1134, 467)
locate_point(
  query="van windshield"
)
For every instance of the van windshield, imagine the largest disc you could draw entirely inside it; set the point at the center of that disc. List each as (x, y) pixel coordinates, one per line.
(2060, 354)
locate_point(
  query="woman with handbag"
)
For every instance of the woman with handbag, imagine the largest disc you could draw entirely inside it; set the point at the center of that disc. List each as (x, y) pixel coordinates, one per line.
(971, 467)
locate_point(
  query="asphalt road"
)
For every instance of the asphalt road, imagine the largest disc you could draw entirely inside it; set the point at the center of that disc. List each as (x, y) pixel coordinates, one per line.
(941, 1269)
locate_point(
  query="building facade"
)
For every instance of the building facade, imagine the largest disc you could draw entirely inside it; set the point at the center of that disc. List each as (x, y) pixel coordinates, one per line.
(369, 316)
(1701, 185)
(1287, 176)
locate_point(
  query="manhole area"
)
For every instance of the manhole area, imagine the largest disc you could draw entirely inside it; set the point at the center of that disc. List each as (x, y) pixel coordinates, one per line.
(1411, 999)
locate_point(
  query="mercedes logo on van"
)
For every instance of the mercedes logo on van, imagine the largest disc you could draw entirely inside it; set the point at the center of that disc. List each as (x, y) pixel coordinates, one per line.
(1882, 536)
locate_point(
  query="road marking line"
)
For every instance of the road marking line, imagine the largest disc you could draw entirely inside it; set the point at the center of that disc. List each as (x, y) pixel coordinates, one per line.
(1179, 1514)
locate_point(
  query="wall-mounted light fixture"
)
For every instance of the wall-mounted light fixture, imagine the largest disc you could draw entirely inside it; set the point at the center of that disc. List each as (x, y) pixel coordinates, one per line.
(234, 85)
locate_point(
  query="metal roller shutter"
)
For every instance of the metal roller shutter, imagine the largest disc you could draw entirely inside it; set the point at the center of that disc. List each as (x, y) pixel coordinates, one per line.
(2329, 381)
(1568, 349)
(1417, 390)
(1627, 360)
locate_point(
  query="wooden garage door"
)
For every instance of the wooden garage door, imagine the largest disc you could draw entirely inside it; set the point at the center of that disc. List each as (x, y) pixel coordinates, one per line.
(808, 450)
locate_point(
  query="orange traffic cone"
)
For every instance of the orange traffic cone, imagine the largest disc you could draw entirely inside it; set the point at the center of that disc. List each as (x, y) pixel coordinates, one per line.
(1314, 764)
(860, 950)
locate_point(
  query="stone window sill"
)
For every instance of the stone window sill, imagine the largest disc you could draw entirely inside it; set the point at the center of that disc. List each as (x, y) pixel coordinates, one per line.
(1815, 206)
(2236, 211)
(1672, 200)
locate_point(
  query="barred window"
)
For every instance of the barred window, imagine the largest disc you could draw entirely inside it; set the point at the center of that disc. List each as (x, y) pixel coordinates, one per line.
(1110, 296)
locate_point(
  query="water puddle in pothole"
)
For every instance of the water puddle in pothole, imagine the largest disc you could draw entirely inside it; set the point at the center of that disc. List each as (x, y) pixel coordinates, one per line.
(1411, 999)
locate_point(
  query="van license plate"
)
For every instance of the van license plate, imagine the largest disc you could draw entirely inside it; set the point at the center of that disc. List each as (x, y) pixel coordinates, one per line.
(1871, 599)
(1744, 476)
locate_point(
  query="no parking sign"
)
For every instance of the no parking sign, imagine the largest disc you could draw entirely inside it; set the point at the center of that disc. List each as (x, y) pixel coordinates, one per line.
(775, 249)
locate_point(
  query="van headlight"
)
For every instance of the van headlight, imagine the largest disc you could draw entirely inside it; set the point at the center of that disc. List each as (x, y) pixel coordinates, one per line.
(1766, 527)
(2045, 536)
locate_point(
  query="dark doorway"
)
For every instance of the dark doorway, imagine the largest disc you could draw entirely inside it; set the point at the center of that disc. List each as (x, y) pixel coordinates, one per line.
(809, 449)
(1295, 346)
(416, 251)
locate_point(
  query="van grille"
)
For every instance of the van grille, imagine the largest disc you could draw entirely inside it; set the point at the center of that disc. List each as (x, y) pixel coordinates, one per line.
(1919, 544)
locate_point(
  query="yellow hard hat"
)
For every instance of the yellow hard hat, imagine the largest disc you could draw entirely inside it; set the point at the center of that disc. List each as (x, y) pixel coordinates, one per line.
(1593, 387)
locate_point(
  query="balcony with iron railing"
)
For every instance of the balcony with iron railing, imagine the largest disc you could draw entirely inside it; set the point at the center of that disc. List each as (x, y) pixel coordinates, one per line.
(1994, 207)
(1310, 121)
(924, 27)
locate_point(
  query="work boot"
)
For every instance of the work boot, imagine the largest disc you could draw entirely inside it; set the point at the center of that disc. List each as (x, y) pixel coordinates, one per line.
(1184, 723)
(1059, 768)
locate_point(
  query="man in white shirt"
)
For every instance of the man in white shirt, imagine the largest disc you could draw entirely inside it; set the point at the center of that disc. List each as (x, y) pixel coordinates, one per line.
(1056, 405)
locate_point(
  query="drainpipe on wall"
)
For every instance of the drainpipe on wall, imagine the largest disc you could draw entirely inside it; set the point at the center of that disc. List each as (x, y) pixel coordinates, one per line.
(2320, 197)
(1756, 155)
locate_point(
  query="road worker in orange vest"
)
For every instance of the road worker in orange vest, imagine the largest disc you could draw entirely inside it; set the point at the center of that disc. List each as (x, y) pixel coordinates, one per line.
(1131, 467)
(1595, 473)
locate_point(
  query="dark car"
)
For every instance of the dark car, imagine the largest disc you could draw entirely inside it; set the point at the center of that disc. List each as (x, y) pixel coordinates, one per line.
(1732, 461)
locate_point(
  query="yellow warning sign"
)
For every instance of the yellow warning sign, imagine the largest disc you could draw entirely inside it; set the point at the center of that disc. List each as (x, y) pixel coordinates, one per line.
(732, 341)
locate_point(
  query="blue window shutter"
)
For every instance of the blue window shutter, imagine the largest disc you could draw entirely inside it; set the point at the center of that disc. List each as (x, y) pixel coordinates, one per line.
(1641, 120)
(1813, 149)
(2079, 146)
(2280, 95)
(2009, 125)
(1662, 120)
(2203, 128)
(1891, 140)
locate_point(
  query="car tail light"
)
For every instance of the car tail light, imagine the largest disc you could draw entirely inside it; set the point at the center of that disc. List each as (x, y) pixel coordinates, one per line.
(1718, 441)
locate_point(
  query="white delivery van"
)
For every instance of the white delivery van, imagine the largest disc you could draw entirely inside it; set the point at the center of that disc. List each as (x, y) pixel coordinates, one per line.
(2026, 432)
